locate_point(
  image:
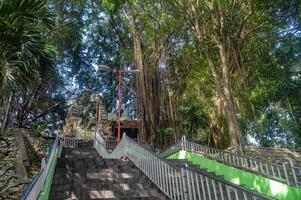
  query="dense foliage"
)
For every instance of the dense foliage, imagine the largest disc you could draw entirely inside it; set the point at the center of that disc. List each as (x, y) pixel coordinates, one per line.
(225, 73)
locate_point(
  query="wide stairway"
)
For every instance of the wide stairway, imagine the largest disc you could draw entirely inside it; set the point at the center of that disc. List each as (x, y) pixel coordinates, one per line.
(82, 174)
(185, 171)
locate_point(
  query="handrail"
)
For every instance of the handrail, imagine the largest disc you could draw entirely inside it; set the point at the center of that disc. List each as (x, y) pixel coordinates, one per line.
(69, 142)
(151, 152)
(36, 186)
(179, 184)
(111, 144)
(287, 174)
(171, 149)
(31, 185)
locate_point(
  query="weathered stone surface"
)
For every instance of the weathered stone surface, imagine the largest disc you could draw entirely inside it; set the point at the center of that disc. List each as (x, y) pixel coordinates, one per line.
(77, 125)
(274, 155)
(106, 128)
(14, 153)
(10, 184)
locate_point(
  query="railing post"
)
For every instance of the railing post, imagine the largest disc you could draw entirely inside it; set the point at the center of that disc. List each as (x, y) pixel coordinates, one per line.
(183, 142)
(94, 142)
(43, 175)
(126, 143)
(184, 183)
(285, 173)
(293, 171)
(43, 163)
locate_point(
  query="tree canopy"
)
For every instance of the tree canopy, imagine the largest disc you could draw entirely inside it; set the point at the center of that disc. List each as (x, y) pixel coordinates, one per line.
(224, 73)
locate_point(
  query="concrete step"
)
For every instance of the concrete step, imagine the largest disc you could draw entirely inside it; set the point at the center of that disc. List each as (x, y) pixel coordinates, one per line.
(107, 194)
(86, 144)
(82, 174)
(89, 186)
(105, 191)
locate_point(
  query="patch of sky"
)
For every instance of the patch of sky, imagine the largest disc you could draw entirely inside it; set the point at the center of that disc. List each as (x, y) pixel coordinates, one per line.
(251, 140)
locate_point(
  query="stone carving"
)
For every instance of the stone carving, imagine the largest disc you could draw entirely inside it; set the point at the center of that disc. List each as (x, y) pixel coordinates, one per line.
(104, 125)
(81, 122)
(73, 121)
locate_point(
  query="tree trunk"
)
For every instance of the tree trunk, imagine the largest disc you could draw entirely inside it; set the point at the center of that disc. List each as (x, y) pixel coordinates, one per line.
(222, 82)
(140, 83)
(236, 138)
(7, 111)
(155, 108)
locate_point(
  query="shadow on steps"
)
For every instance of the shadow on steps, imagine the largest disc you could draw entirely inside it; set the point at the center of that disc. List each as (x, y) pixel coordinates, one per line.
(82, 174)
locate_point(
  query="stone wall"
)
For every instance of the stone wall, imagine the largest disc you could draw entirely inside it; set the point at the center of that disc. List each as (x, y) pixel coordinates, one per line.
(13, 176)
(274, 155)
(17, 163)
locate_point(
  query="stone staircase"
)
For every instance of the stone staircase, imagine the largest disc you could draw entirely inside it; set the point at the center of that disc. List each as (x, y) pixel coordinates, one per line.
(82, 174)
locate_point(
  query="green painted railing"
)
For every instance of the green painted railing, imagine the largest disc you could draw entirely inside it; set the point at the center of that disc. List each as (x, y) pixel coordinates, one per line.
(287, 172)
(240, 177)
(40, 187)
(44, 195)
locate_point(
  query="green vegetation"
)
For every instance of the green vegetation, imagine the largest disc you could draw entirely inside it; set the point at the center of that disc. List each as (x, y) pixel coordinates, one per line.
(225, 73)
